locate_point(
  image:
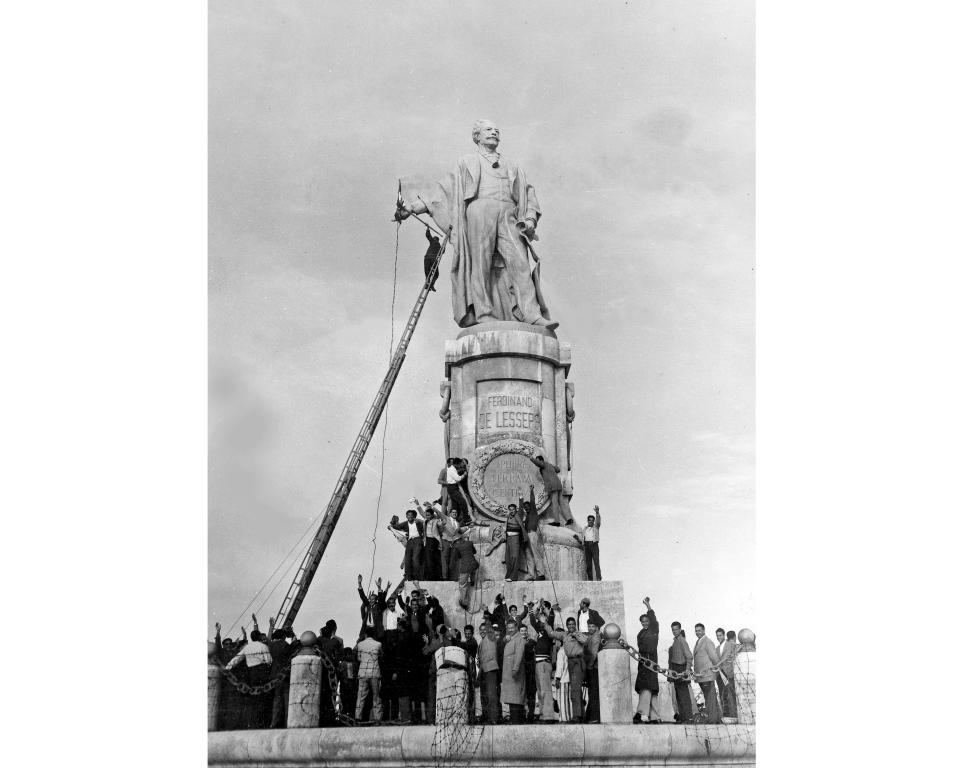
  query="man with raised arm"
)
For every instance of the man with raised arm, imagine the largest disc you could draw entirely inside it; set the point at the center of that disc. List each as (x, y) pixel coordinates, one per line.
(536, 567)
(647, 685)
(371, 607)
(513, 541)
(391, 615)
(591, 545)
(256, 655)
(543, 670)
(573, 648)
(449, 533)
(493, 212)
(413, 551)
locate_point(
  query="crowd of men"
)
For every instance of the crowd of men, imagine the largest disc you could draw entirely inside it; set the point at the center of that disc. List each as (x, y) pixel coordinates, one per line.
(435, 535)
(523, 664)
(710, 666)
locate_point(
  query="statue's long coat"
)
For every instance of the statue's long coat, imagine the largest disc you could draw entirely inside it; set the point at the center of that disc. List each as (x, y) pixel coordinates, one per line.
(447, 205)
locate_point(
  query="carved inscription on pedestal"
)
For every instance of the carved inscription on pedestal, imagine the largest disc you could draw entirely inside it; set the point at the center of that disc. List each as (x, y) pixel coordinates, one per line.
(508, 409)
(508, 478)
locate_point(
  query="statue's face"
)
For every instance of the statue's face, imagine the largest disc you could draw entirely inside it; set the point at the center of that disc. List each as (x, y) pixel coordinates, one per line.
(489, 134)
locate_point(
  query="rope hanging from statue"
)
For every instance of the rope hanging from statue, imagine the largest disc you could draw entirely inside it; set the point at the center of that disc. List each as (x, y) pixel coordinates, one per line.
(386, 408)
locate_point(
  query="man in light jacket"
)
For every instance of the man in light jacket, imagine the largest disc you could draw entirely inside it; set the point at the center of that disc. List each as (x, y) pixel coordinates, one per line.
(705, 661)
(513, 680)
(726, 650)
(489, 666)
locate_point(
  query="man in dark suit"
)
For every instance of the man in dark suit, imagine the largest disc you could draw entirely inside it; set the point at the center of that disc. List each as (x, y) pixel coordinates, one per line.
(372, 607)
(430, 258)
(586, 616)
(553, 486)
(413, 555)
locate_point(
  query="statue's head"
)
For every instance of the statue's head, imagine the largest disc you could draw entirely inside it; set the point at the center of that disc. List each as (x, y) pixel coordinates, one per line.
(486, 133)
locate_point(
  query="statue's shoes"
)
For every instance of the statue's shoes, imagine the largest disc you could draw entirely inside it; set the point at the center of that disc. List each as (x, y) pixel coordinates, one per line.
(550, 325)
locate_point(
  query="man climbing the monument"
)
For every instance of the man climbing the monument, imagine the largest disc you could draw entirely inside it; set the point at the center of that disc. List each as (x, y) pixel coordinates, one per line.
(554, 488)
(493, 212)
(536, 568)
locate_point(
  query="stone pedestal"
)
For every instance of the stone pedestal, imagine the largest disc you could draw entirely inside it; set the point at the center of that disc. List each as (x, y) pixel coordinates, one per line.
(506, 401)
(452, 687)
(552, 746)
(563, 553)
(616, 682)
(303, 708)
(745, 686)
(213, 695)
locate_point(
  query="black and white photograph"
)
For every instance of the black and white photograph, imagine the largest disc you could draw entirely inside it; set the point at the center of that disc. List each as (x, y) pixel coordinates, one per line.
(489, 382)
(481, 348)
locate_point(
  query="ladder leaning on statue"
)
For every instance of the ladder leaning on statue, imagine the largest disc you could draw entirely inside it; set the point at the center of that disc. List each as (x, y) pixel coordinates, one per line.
(311, 561)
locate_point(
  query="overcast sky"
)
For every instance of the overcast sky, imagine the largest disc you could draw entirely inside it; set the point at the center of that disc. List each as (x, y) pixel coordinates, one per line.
(635, 123)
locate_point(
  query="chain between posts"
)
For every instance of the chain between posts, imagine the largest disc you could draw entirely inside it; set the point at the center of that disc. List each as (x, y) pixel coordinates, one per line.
(654, 667)
(257, 690)
(253, 690)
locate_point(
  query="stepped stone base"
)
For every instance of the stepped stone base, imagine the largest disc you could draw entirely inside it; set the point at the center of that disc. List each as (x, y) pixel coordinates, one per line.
(562, 547)
(606, 597)
(559, 746)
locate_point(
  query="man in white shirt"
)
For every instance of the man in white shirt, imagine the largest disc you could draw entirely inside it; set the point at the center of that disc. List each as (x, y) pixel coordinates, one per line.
(431, 544)
(256, 655)
(591, 545)
(390, 613)
(586, 616)
(369, 653)
(449, 533)
(705, 660)
(413, 554)
(453, 499)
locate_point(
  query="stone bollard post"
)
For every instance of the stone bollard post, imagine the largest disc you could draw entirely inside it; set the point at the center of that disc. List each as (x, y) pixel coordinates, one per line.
(452, 685)
(213, 688)
(745, 677)
(306, 670)
(616, 683)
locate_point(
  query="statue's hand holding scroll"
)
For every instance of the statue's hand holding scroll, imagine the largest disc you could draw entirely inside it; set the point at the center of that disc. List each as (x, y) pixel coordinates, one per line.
(528, 228)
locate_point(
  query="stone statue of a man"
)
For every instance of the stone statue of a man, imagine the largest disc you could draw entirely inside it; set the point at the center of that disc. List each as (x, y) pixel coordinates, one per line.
(493, 210)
